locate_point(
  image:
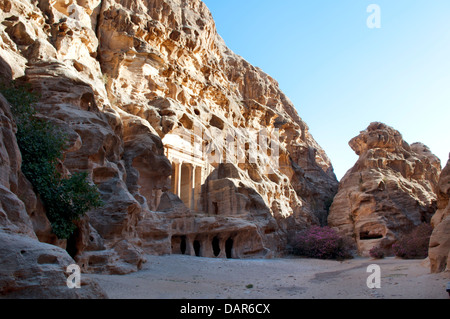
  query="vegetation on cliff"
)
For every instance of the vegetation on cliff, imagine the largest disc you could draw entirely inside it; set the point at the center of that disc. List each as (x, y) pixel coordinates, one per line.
(42, 144)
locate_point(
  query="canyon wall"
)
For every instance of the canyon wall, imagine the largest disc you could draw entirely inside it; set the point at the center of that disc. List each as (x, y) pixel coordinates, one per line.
(29, 268)
(439, 251)
(391, 189)
(194, 150)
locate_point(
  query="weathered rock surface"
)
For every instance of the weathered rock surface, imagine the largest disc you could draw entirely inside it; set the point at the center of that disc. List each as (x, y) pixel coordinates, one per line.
(28, 267)
(439, 252)
(139, 87)
(31, 269)
(167, 65)
(391, 188)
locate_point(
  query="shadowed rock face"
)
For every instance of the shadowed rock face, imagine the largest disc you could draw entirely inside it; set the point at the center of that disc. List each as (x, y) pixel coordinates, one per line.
(439, 251)
(391, 188)
(124, 80)
(28, 267)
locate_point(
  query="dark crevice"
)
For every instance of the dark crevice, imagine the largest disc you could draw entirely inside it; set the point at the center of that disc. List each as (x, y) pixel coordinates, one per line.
(197, 247)
(229, 248)
(368, 236)
(216, 246)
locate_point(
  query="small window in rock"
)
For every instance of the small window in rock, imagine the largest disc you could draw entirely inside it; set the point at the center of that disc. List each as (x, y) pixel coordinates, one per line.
(87, 102)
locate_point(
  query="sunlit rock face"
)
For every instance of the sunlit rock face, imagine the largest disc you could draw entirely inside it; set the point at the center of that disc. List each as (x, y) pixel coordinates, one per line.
(193, 149)
(390, 189)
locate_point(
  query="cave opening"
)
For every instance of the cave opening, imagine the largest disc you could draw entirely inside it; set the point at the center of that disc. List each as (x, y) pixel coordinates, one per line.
(197, 247)
(183, 245)
(216, 246)
(71, 246)
(366, 235)
(229, 248)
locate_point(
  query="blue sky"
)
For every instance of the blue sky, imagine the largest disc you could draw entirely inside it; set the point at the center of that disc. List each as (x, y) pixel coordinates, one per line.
(342, 75)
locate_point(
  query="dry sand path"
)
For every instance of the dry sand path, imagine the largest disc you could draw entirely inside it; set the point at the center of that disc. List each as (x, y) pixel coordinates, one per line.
(178, 277)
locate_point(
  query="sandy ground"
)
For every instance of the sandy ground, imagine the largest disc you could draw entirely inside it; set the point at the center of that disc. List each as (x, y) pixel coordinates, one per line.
(179, 277)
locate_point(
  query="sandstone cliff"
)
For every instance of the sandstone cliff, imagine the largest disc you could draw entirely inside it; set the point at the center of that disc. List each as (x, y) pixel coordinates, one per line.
(149, 96)
(391, 188)
(29, 268)
(439, 251)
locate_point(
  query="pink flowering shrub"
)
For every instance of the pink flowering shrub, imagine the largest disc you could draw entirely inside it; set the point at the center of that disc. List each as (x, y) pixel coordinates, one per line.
(377, 253)
(322, 243)
(414, 245)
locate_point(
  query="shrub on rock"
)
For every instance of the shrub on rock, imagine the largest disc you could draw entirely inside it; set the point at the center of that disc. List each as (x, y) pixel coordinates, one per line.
(322, 243)
(414, 244)
(377, 253)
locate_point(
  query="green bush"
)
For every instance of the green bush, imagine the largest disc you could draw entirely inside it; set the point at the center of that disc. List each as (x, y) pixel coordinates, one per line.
(42, 144)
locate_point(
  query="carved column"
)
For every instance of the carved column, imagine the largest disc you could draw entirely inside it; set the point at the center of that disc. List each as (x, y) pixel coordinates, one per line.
(192, 199)
(178, 179)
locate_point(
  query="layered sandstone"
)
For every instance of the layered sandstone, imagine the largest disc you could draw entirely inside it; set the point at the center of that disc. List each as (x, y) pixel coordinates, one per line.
(390, 189)
(439, 251)
(28, 267)
(150, 98)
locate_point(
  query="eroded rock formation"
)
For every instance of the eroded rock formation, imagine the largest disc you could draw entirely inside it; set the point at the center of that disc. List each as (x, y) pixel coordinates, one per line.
(390, 189)
(149, 96)
(439, 251)
(28, 268)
